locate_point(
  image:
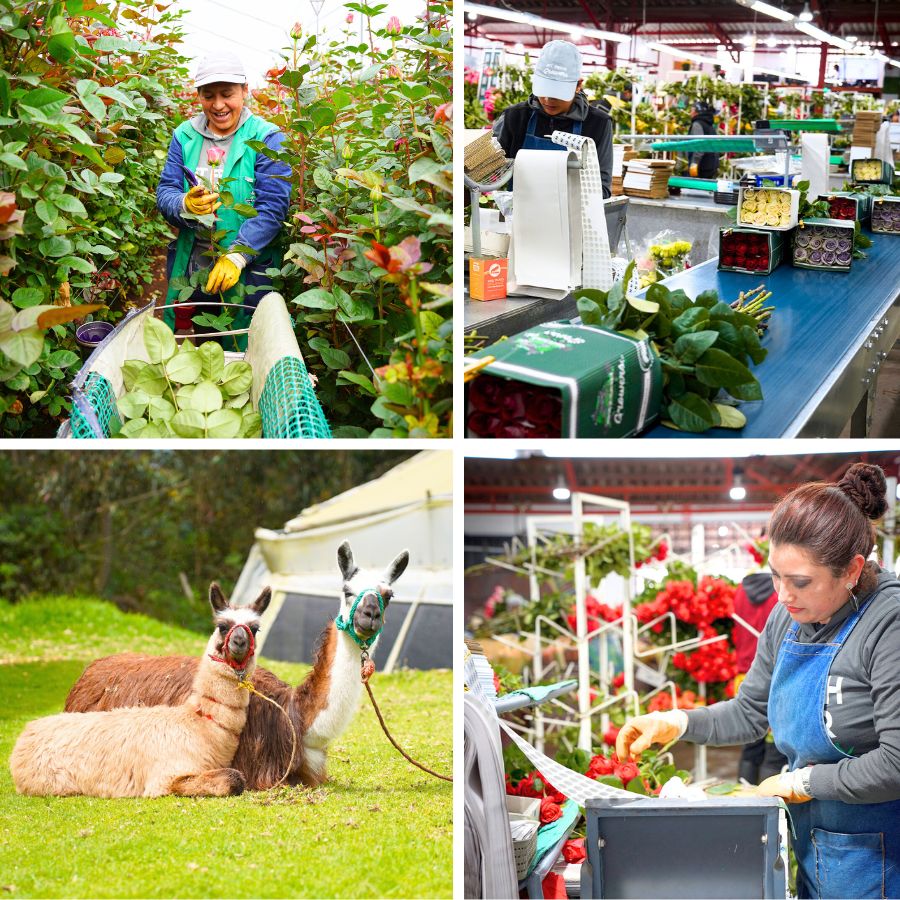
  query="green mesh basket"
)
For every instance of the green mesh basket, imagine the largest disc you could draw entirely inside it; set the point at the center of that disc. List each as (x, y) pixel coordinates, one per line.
(94, 408)
(288, 404)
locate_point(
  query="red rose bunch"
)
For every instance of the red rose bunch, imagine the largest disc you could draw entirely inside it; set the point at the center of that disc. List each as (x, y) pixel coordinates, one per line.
(715, 599)
(660, 555)
(744, 250)
(754, 551)
(710, 663)
(600, 765)
(501, 408)
(619, 680)
(595, 612)
(663, 701)
(842, 208)
(626, 771)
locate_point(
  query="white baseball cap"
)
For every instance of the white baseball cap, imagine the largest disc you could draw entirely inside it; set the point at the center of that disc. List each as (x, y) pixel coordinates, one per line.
(221, 66)
(558, 71)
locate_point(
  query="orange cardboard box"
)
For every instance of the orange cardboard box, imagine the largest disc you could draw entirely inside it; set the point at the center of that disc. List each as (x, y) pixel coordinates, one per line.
(487, 278)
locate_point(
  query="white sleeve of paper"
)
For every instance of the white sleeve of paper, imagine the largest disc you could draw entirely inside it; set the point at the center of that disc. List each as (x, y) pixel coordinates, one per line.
(814, 163)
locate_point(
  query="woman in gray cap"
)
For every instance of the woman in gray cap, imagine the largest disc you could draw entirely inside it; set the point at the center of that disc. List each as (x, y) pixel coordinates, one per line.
(212, 142)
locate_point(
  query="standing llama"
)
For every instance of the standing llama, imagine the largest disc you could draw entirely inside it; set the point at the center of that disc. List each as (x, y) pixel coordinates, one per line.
(320, 708)
(150, 751)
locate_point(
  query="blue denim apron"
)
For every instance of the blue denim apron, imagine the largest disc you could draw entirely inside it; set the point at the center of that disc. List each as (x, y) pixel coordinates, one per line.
(533, 142)
(843, 849)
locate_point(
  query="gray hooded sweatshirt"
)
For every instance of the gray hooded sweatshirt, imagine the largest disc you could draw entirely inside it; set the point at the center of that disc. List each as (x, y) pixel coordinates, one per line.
(862, 711)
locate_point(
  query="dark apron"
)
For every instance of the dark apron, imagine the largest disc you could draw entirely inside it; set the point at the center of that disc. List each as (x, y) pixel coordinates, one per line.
(842, 849)
(533, 142)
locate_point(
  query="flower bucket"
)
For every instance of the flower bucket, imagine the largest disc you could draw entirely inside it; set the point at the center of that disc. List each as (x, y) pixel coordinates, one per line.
(92, 334)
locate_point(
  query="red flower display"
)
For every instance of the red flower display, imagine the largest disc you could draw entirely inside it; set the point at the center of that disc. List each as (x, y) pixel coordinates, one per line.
(709, 663)
(744, 250)
(595, 612)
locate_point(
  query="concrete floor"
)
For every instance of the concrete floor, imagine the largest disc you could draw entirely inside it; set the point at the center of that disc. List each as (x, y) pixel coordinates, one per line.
(886, 414)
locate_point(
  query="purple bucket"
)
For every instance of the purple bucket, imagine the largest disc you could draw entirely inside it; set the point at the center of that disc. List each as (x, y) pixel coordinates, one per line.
(91, 334)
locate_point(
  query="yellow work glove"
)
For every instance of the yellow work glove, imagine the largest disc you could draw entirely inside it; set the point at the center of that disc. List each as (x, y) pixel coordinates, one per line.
(654, 728)
(199, 201)
(791, 786)
(692, 170)
(225, 273)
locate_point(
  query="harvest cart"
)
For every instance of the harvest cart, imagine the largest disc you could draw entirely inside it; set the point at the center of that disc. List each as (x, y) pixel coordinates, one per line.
(282, 391)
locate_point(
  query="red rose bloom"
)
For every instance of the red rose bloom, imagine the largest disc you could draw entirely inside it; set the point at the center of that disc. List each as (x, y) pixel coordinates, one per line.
(600, 765)
(573, 851)
(619, 680)
(550, 811)
(610, 735)
(626, 771)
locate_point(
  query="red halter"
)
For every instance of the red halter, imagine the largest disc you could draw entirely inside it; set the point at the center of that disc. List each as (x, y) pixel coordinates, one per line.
(238, 667)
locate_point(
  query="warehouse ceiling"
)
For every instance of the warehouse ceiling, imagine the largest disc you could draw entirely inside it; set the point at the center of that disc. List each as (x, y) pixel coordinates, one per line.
(669, 483)
(695, 24)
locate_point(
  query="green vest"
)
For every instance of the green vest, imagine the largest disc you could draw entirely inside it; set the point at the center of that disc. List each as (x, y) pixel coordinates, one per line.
(239, 166)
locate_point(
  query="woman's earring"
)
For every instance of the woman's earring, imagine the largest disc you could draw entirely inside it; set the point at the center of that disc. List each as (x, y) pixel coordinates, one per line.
(853, 596)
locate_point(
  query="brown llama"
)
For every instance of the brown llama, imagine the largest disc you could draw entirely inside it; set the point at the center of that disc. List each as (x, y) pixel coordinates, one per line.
(320, 708)
(150, 751)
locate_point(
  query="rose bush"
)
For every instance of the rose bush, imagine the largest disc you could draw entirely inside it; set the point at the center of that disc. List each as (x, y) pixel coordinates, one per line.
(86, 101)
(368, 261)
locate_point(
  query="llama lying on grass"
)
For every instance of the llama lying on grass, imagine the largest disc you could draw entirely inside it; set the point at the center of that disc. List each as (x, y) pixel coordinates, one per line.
(320, 708)
(150, 751)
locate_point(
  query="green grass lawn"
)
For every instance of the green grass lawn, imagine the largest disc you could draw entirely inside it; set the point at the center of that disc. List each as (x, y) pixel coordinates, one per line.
(378, 828)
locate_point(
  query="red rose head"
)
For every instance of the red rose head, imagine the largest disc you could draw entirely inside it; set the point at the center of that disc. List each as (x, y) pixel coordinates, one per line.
(550, 811)
(626, 771)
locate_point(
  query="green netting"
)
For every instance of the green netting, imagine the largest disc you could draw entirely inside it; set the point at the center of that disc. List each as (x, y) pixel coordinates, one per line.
(95, 399)
(805, 124)
(288, 404)
(735, 145)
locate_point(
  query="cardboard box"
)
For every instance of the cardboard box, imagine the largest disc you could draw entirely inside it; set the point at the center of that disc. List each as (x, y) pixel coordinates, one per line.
(771, 208)
(752, 250)
(850, 205)
(565, 380)
(824, 244)
(487, 278)
(871, 171)
(886, 215)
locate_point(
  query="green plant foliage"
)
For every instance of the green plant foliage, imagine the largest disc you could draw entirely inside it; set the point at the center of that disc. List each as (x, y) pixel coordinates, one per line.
(368, 263)
(86, 103)
(705, 347)
(185, 392)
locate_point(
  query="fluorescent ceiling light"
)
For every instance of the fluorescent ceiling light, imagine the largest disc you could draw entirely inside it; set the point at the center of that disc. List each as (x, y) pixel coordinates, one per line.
(493, 450)
(773, 11)
(508, 15)
(771, 41)
(823, 36)
(678, 54)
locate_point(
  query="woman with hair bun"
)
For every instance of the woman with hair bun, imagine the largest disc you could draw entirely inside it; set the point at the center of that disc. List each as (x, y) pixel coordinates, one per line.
(825, 678)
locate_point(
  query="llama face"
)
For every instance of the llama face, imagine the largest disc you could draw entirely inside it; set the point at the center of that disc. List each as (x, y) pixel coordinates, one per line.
(234, 640)
(368, 619)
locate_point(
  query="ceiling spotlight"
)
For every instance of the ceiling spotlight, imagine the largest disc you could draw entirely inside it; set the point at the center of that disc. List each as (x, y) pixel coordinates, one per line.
(806, 15)
(561, 492)
(738, 491)
(771, 41)
(748, 39)
(519, 47)
(723, 530)
(472, 16)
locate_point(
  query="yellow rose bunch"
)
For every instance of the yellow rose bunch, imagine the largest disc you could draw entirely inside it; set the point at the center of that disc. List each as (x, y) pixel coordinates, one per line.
(765, 207)
(672, 255)
(867, 169)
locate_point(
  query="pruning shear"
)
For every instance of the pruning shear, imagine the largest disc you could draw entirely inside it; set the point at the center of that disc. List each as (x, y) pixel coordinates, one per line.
(191, 176)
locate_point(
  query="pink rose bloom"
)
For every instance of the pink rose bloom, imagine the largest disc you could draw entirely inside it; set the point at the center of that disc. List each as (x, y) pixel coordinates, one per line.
(297, 31)
(349, 18)
(393, 26)
(215, 155)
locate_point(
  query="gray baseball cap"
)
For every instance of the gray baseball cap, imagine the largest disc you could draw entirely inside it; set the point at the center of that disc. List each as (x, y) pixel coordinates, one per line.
(220, 66)
(558, 71)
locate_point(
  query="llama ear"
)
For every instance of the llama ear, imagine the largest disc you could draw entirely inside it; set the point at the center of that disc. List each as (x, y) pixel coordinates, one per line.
(216, 598)
(397, 567)
(262, 601)
(345, 561)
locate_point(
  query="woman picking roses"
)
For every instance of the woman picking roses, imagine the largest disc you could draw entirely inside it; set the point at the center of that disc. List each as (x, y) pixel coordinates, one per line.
(215, 145)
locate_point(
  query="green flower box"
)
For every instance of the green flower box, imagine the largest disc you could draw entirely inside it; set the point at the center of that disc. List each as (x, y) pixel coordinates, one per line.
(565, 380)
(752, 250)
(886, 215)
(823, 244)
(850, 205)
(871, 171)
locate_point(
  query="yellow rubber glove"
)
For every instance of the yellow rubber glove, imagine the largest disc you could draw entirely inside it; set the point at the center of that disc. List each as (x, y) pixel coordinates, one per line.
(225, 273)
(200, 201)
(654, 728)
(788, 785)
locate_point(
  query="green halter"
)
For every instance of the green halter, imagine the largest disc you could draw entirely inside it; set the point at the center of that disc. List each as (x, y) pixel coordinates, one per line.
(347, 624)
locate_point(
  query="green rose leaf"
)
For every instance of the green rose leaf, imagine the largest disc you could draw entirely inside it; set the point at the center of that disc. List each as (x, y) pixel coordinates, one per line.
(130, 370)
(159, 340)
(690, 347)
(184, 367)
(334, 358)
(155, 430)
(134, 404)
(731, 417)
(184, 394)
(152, 379)
(223, 423)
(690, 412)
(159, 409)
(133, 428)
(22, 347)
(238, 402)
(251, 426)
(206, 397)
(189, 423)
(212, 360)
(317, 298)
(642, 305)
(236, 378)
(717, 369)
